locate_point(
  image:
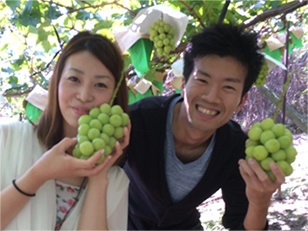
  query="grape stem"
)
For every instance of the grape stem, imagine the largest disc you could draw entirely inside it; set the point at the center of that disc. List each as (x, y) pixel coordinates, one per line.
(117, 88)
(285, 88)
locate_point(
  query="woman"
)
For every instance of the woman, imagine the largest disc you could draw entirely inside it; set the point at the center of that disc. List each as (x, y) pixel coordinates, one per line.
(42, 185)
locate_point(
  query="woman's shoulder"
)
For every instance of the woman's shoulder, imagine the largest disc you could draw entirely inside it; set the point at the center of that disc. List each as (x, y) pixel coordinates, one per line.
(15, 127)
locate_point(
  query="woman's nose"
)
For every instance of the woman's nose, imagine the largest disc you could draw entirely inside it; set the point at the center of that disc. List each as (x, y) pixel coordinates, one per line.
(85, 94)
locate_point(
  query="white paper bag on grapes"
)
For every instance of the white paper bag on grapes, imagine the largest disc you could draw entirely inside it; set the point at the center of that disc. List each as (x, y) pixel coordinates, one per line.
(269, 142)
(140, 27)
(100, 129)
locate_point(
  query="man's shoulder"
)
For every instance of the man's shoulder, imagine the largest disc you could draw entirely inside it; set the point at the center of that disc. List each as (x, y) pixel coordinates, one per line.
(232, 128)
(152, 103)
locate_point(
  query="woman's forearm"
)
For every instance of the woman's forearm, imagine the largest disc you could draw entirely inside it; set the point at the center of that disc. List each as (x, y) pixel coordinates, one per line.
(94, 211)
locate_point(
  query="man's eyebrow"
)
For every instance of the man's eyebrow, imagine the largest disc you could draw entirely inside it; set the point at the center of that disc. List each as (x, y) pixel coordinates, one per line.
(96, 76)
(228, 79)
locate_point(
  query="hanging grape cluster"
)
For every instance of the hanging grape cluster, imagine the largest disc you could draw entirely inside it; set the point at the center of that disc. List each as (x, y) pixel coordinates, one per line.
(100, 129)
(269, 142)
(261, 80)
(162, 35)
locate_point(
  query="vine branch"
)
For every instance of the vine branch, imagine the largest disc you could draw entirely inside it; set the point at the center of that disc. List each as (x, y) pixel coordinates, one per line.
(282, 9)
(193, 12)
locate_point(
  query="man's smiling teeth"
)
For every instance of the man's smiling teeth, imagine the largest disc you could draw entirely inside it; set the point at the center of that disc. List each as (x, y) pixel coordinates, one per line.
(206, 111)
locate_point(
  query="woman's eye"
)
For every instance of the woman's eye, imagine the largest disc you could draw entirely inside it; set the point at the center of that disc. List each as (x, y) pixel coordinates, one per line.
(101, 85)
(74, 79)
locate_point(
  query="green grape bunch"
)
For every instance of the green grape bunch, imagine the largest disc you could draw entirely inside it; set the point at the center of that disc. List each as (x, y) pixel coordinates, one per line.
(269, 142)
(100, 129)
(162, 35)
(261, 80)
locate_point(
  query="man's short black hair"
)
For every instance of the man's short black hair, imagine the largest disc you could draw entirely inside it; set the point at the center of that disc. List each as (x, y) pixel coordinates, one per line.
(226, 40)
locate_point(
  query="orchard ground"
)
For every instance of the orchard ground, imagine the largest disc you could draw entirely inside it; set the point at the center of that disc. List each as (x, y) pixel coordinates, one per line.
(289, 208)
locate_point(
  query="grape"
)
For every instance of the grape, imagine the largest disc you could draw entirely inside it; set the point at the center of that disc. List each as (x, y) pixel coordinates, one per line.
(125, 119)
(76, 152)
(272, 145)
(266, 135)
(269, 142)
(255, 133)
(284, 141)
(100, 130)
(249, 150)
(82, 138)
(93, 133)
(162, 35)
(118, 133)
(285, 167)
(116, 120)
(95, 123)
(105, 108)
(108, 129)
(267, 124)
(259, 152)
(84, 119)
(279, 155)
(98, 144)
(83, 129)
(261, 80)
(116, 110)
(265, 163)
(94, 112)
(86, 148)
(250, 142)
(278, 130)
(105, 137)
(104, 118)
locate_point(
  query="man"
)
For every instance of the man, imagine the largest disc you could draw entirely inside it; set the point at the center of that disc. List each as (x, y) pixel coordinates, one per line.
(184, 148)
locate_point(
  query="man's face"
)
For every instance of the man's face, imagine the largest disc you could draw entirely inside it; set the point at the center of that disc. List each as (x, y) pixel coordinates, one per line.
(214, 92)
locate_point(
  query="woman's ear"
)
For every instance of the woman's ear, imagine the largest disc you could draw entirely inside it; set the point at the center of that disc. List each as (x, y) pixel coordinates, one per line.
(241, 104)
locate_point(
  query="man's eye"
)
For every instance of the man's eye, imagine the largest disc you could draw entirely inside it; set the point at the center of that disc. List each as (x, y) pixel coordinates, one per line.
(230, 87)
(202, 80)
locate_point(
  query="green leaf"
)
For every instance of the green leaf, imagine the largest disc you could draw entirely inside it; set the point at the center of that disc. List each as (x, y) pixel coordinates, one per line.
(46, 45)
(4, 46)
(13, 81)
(83, 15)
(18, 63)
(42, 35)
(13, 4)
(8, 70)
(150, 75)
(105, 24)
(52, 12)
(31, 14)
(127, 61)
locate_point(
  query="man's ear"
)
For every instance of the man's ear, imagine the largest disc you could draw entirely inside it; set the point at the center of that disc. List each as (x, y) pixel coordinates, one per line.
(183, 87)
(243, 100)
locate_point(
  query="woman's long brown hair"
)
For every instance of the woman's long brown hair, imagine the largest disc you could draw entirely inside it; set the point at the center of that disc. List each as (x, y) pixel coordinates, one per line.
(50, 127)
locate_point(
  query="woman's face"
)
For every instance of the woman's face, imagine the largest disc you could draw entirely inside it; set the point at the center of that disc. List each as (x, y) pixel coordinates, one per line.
(85, 83)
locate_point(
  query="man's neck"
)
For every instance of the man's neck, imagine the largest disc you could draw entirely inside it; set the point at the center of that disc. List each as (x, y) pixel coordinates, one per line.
(190, 143)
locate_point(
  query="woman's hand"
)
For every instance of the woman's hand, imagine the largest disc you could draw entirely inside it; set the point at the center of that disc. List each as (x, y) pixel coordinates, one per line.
(57, 163)
(94, 211)
(111, 159)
